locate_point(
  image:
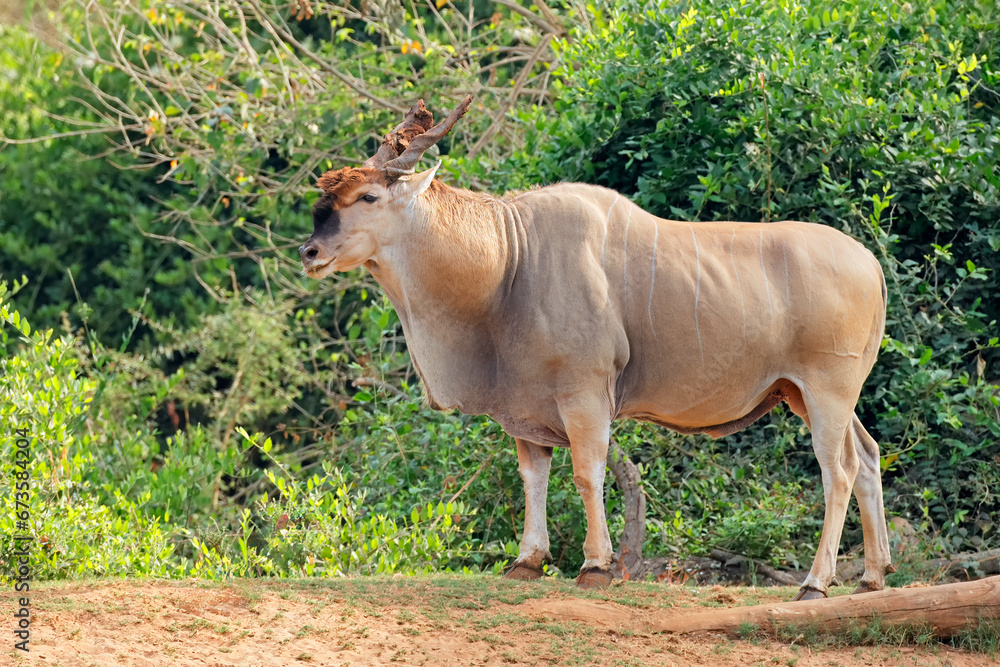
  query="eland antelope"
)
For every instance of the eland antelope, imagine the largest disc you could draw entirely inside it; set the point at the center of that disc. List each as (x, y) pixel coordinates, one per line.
(558, 310)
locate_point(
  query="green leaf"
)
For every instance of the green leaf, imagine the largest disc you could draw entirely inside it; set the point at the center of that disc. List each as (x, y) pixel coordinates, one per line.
(253, 86)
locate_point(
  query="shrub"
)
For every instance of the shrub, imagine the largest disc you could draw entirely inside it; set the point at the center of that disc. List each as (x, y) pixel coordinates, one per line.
(316, 527)
(107, 499)
(76, 527)
(72, 222)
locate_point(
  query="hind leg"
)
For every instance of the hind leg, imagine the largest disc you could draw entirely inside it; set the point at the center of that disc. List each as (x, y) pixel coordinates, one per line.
(868, 490)
(830, 423)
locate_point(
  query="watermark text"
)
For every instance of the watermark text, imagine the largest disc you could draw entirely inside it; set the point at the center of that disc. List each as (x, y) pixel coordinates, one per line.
(21, 488)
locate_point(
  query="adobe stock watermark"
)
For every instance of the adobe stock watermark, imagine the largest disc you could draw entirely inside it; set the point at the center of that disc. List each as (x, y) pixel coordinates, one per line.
(21, 488)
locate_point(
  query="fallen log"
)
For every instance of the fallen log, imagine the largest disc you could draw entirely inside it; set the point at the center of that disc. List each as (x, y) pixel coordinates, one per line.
(729, 558)
(946, 609)
(967, 565)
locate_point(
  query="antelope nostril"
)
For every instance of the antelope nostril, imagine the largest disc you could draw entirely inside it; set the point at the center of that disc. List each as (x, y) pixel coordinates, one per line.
(308, 252)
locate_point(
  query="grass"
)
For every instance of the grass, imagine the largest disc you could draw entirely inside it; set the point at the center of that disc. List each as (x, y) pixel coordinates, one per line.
(984, 638)
(750, 631)
(879, 633)
(307, 630)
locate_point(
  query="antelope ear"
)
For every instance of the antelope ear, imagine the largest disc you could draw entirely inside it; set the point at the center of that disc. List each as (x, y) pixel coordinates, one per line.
(416, 184)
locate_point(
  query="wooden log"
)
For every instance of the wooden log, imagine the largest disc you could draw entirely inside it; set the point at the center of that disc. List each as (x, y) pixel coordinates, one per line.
(947, 609)
(729, 558)
(966, 566)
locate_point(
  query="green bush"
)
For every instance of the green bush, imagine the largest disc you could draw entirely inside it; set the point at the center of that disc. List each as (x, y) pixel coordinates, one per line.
(76, 528)
(70, 221)
(315, 527)
(107, 498)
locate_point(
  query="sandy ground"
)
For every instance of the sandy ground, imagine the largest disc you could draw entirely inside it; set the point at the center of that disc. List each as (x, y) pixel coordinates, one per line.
(439, 620)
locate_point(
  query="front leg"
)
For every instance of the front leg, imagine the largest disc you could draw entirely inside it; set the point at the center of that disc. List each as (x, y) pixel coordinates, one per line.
(533, 464)
(588, 426)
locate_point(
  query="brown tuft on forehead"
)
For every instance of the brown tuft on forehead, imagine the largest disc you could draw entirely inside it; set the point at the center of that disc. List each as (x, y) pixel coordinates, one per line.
(339, 186)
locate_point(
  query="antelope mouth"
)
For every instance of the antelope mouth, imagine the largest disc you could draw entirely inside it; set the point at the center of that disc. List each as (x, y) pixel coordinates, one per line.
(320, 270)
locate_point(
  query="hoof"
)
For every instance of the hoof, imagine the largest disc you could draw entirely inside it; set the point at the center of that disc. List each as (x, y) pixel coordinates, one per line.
(522, 572)
(890, 568)
(866, 587)
(594, 578)
(809, 593)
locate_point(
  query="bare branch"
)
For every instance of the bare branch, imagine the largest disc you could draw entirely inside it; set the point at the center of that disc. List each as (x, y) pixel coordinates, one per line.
(522, 78)
(349, 81)
(538, 21)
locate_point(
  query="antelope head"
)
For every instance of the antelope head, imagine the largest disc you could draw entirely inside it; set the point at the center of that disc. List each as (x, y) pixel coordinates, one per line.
(365, 210)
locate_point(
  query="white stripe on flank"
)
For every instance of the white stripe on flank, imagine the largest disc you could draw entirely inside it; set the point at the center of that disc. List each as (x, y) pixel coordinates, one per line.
(628, 222)
(607, 223)
(836, 278)
(697, 293)
(739, 285)
(652, 280)
(767, 287)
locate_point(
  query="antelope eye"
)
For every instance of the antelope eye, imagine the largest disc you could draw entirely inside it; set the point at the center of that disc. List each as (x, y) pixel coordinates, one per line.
(371, 199)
